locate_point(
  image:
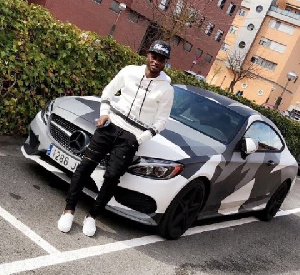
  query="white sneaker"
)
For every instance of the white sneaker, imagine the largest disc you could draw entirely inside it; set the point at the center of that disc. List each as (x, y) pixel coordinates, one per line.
(89, 226)
(64, 224)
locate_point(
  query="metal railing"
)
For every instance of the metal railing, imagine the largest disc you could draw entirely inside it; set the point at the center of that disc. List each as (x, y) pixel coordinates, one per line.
(285, 12)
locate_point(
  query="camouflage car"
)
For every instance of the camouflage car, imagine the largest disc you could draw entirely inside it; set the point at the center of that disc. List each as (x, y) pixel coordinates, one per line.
(216, 157)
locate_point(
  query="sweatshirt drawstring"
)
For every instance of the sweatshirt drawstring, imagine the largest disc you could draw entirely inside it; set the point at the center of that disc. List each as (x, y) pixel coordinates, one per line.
(147, 89)
(135, 96)
(145, 96)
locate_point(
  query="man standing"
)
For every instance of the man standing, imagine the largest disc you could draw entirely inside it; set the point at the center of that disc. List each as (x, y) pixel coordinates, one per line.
(140, 113)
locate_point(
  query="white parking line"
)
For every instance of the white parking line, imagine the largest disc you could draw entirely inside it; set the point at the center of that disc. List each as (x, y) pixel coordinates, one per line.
(69, 256)
(27, 232)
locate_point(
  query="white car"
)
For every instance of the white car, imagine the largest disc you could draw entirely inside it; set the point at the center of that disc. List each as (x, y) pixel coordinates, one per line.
(197, 76)
(216, 157)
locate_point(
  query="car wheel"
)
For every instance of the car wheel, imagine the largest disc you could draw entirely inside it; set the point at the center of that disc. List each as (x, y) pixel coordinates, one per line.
(274, 203)
(182, 211)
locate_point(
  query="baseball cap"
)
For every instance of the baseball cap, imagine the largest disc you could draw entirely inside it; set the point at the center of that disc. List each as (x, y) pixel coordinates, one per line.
(160, 47)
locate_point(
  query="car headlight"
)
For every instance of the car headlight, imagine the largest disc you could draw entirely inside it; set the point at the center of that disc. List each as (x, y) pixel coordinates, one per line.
(156, 168)
(47, 111)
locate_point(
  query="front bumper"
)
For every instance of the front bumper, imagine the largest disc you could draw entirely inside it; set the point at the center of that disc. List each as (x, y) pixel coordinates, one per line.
(141, 199)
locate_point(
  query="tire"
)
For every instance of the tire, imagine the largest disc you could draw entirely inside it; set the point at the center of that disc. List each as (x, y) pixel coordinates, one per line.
(274, 203)
(182, 211)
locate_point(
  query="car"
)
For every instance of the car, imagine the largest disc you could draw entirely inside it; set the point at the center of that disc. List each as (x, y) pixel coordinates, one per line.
(216, 157)
(268, 106)
(197, 76)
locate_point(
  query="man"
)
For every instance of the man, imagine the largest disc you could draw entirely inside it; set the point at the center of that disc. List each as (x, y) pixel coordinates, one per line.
(140, 113)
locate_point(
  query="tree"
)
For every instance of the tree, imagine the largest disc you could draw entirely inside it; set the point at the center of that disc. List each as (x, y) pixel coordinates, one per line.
(169, 19)
(174, 17)
(241, 68)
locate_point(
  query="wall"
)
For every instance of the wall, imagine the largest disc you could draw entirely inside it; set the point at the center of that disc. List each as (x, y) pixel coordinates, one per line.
(89, 15)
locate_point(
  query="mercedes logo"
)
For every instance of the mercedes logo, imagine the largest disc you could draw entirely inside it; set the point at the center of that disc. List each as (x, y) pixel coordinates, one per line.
(78, 141)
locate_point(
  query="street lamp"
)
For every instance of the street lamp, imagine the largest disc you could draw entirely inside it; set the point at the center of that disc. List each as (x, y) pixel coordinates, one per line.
(291, 76)
(122, 6)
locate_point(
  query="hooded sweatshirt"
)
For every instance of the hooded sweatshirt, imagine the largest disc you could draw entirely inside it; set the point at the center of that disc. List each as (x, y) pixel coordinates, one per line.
(144, 104)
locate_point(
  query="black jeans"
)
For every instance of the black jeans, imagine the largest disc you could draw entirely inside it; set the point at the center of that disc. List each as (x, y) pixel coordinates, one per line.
(121, 146)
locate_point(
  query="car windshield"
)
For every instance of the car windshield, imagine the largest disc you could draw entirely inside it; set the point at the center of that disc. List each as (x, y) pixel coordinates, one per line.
(206, 115)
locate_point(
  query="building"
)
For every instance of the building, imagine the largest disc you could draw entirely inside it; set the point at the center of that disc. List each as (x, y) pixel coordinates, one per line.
(196, 28)
(264, 38)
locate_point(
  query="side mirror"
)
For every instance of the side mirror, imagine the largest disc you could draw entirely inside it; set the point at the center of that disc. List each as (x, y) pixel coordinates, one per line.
(249, 146)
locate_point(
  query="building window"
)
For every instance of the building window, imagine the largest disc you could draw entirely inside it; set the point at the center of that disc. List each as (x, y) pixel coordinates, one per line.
(260, 92)
(164, 4)
(219, 35)
(259, 9)
(179, 7)
(242, 44)
(264, 63)
(97, 1)
(225, 47)
(231, 9)
(208, 58)
(175, 40)
(264, 42)
(242, 12)
(221, 4)
(187, 46)
(114, 6)
(192, 14)
(198, 52)
(275, 46)
(133, 16)
(277, 25)
(209, 28)
(233, 29)
(201, 21)
(250, 27)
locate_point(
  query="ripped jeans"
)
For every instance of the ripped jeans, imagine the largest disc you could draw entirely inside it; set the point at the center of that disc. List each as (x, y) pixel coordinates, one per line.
(121, 146)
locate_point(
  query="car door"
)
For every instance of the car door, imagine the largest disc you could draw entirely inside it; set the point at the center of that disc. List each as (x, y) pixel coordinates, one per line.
(251, 179)
(266, 161)
(246, 182)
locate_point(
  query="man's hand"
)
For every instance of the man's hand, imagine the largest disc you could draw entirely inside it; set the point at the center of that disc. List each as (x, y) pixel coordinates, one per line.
(101, 121)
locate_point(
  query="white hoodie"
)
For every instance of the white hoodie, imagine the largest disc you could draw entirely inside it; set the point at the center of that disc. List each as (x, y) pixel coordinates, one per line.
(144, 104)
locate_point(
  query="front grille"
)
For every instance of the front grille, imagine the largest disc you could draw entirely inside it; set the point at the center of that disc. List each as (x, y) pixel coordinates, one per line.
(135, 200)
(61, 130)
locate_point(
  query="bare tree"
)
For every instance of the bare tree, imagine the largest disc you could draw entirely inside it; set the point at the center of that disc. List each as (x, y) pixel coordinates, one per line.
(241, 67)
(175, 17)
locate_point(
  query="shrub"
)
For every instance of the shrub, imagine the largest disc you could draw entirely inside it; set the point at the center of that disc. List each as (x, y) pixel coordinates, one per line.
(42, 58)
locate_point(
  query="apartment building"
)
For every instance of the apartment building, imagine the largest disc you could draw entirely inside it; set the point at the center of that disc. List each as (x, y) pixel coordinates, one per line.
(195, 40)
(264, 39)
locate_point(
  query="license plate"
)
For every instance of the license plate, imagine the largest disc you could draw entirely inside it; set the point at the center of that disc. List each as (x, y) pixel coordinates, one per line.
(62, 158)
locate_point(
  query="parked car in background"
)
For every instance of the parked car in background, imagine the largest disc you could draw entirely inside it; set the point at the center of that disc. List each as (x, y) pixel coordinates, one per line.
(197, 76)
(268, 106)
(216, 157)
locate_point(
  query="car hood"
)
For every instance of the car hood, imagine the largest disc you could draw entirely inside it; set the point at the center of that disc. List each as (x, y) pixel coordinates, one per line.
(176, 142)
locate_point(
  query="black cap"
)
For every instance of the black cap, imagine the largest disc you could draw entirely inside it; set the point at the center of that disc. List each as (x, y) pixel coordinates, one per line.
(160, 47)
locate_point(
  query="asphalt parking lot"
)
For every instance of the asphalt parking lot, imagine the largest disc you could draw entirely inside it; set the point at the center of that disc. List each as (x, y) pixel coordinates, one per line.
(31, 201)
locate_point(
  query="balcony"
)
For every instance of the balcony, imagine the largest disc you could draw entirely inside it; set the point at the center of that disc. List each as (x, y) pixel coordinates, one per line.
(285, 12)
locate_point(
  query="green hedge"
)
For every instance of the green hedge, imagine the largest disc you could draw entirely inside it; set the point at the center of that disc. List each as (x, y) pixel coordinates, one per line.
(42, 58)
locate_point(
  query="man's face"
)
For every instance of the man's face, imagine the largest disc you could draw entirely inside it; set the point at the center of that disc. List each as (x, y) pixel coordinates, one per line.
(155, 62)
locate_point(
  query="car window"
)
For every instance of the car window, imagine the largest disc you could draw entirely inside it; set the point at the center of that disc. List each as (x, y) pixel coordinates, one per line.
(266, 137)
(206, 115)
